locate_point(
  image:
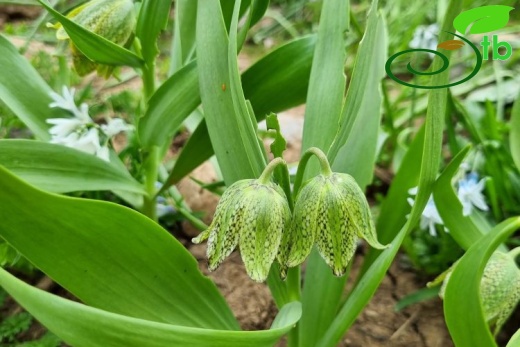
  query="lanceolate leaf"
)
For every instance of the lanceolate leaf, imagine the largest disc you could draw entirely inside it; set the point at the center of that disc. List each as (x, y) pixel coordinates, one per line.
(462, 304)
(24, 91)
(153, 18)
(60, 169)
(169, 106)
(183, 46)
(110, 257)
(83, 326)
(232, 135)
(354, 147)
(93, 46)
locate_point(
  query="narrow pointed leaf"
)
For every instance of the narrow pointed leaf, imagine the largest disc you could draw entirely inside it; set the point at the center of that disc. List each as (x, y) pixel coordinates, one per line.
(230, 130)
(169, 106)
(109, 257)
(462, 303)
(354, 147)
(153, 18)
(60, 169)
(93, 46)
(83, 326)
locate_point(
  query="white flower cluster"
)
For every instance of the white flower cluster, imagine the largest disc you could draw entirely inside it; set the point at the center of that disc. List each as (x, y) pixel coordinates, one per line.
(425, 36)
(469, 192)
(80, 131)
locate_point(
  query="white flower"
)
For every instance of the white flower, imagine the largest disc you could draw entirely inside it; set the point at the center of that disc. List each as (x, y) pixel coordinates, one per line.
(470, 193)
(425, 36)
(115, 126)
(81, 132)
(430, 216)
(66, 102)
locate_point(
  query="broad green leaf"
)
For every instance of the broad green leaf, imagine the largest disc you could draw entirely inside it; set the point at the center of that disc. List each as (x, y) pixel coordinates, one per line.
(232, 135)
(275, 83)
(59, 169)
(93, 46)
(322, 290)
(110, 257)
(356, 138)
(24, 91)
(369, 281)
(485, 18)
(169, 106)
(153, 18)
(462, 303)
(83, 326)
(514, 137)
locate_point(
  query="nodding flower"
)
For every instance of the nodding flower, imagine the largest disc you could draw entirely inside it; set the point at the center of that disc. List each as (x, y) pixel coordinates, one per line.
(332, 212)
(252, 213)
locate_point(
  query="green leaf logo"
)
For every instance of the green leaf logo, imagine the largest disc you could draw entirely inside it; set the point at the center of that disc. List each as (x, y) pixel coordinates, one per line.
(485, 19)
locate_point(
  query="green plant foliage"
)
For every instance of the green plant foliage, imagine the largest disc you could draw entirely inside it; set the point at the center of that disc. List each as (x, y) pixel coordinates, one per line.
(29, 101)
(93, 46)
(462, 303)
(59, 169)
(13, 325)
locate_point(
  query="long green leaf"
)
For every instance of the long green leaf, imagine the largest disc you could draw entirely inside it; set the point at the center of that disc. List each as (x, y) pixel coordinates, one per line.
(59, 169)
(93, 46)
(185, 22)
(514, 137)
(462, 304)
(83, 326)
(110, 257)
(153, 18)
(232, 136)
(356, 139)
(24, 91)
(275, 83)
(462, 229)
(322, 290)
(169, 106)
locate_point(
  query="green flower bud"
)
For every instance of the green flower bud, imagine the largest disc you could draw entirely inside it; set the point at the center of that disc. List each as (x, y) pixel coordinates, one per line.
(331, 211)
(254, 214)
(114, 20)
(499, 287)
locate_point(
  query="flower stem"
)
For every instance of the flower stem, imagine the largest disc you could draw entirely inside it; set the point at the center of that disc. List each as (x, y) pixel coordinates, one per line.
(515, 252)
(268, 171)
(324, 165)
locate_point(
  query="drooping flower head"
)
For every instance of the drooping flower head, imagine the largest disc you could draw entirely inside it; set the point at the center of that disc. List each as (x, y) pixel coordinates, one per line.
(253, 214)
(499, 287)
(332, 212)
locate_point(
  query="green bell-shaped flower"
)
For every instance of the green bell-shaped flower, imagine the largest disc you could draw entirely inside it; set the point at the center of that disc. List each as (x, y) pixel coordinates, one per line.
(332, 212)
(114, 20)
(499, 287)
(252, 213)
